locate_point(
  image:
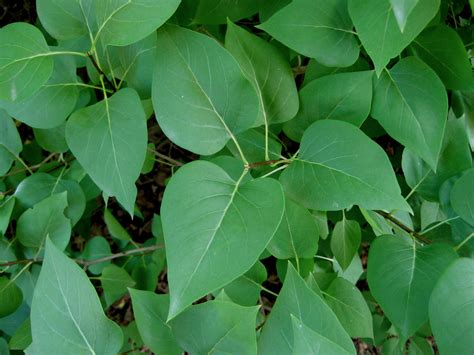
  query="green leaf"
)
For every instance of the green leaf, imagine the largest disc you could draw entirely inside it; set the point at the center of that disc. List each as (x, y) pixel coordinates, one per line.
(269, 72)
(410, 102)
(52, 103)
(25, 64)
(109, 140)
(298, 301)
(245, 290)
(121, 23)
(343, 96)
(7, 254)
(268, 8)
(443, 50)
(450, 308)
(10, 142)
(420, 346)
(308, 342)
(66, 315)
(117, 23)
(115, 282)
(455, 157)
(39, 186)
(150, 311)
(52, 140)
(345, 241)
(330, 175)
(45, 219)
(318, 29)
(65, 19)
(401, 276)
(116, 230)
(135, 64)
(353, 272)
(6, 209)
(462, 196)
(402, 10)
(11, 296)
(215, 228)
(378, 29)
(96, 248)
(214, 12)
(200, 95)
(252, 143)
(297, 236)
(350, 307)
(217, 327)
(22, 337)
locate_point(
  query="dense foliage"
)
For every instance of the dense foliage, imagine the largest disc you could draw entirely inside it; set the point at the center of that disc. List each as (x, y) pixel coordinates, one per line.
(316, 163)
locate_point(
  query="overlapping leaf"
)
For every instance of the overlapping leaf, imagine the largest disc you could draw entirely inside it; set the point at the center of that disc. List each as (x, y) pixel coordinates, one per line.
(200, 95)
(66, 314)
(329, 174)
(401, 276)
(410, 102)
(109, 139)
(215, 228)
(379, 31)
(25, 64)
(318, 29)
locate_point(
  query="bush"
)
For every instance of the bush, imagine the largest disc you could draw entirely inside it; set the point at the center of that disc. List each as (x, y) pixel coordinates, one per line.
(251, 176)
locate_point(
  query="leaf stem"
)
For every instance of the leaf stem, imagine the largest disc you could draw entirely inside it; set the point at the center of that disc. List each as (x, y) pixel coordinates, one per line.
(460, 245)
(263, 288)
(165, 157)
(268, 162)
(403, 226)
(100, 71)
(438, 224)
(87, 263)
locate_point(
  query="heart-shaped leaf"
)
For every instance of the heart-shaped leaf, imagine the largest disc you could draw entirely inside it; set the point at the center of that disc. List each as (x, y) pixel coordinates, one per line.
(110, 140)
(339, 166)
(401, 276)
(214, 225)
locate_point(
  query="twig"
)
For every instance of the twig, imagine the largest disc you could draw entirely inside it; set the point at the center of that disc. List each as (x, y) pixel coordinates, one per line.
(87, 263)
(100, 71)
(268, 162)
(165, 157)
(403, 226)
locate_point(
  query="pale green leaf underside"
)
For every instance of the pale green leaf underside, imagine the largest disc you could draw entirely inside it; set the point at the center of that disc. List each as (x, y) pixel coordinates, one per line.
(402, 9)
(401, 276)
(215, 228)
(66, 315)
(339, 166)
(109, 139)
(200, 95)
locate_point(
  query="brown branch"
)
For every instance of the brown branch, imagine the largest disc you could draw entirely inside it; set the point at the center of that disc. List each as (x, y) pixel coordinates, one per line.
(267, 162)
(87, 263)
(403, 226)
(100, 71)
